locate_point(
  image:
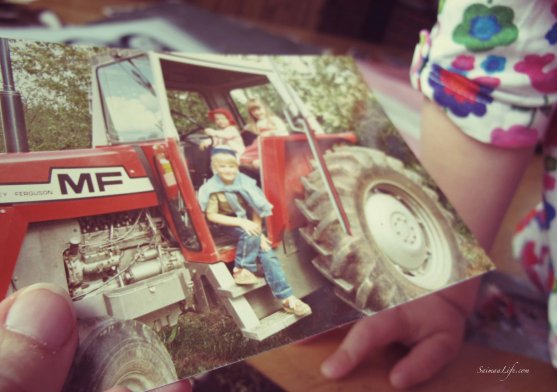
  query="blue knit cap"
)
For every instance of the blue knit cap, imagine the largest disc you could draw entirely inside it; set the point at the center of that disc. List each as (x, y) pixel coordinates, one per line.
(220, 150)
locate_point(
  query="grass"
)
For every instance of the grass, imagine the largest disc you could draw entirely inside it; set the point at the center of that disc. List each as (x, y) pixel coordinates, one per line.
(204, 341)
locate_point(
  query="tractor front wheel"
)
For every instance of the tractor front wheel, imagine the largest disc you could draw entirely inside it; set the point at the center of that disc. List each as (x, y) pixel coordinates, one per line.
(120, 352)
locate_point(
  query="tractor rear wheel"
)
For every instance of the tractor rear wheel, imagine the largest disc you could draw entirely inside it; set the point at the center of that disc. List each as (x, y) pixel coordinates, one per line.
(120, 352)
(402, 244)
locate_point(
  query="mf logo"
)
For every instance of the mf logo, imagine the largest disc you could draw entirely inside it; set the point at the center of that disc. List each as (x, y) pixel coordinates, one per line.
(91, 182)
(76, 183)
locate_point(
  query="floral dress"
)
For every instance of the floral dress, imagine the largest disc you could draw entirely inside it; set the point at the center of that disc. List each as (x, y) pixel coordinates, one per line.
(492, 66)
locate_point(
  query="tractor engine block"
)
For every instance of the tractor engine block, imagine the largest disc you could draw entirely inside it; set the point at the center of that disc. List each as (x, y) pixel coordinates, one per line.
(116, 250)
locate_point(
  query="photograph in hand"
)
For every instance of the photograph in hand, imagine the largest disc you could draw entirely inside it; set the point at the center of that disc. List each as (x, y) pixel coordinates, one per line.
(200, 209)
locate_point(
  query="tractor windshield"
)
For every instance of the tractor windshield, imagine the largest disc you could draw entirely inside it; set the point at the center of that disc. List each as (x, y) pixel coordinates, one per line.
(130, 106)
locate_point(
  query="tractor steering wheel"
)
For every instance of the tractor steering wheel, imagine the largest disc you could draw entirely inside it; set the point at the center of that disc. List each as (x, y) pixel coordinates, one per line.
(194, 136)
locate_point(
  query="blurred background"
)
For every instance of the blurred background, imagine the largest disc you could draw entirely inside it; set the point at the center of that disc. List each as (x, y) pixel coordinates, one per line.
(382, 35)
(340, 26)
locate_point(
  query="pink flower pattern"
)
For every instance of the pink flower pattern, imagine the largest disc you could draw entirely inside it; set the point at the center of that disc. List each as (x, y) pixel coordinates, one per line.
(464, 62)
(548, 182)
(533, 65)
(488, 81)
(515, 136)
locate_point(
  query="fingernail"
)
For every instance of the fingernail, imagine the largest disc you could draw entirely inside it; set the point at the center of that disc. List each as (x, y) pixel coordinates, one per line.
(327, 369)
(330, 368)
(44, 313)
(398, 380)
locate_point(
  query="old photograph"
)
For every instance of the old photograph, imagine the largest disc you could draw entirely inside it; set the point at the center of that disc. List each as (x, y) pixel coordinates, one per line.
(200, 209)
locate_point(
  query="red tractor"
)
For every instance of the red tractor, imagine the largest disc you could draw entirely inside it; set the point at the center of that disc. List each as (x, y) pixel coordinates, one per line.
(119, 226)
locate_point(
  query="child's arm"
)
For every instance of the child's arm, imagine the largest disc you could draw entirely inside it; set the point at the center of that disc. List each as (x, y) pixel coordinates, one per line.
(214, 215)
(249, 227)
(230, 132)
(480, 181)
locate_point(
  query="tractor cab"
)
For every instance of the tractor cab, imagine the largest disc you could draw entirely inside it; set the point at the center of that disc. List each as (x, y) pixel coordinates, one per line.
(159, 98)
(159, 104)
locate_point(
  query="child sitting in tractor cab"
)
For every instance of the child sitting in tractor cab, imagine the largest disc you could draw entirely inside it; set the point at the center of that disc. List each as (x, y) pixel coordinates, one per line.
(227, 134)
(233, 200)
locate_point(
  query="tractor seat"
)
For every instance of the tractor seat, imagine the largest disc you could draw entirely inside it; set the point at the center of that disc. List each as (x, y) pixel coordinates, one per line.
(221, 238)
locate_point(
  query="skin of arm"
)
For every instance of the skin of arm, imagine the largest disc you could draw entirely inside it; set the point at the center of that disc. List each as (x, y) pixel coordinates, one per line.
(253, 227)
(229, 132)
(210, 131)
(250, 227)
(479, 180)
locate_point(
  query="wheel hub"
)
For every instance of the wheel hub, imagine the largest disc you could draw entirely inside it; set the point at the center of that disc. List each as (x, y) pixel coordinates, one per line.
(396, 230)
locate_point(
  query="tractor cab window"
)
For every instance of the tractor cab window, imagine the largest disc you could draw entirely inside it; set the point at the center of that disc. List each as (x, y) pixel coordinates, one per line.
(188, 110)
(130, 106)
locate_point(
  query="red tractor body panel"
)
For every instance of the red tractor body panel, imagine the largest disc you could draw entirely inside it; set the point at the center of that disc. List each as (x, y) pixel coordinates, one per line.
(285, 161)
(58, 185)
(45, 186)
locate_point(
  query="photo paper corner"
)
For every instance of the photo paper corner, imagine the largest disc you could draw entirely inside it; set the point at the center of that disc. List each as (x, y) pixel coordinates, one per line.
(106, 206)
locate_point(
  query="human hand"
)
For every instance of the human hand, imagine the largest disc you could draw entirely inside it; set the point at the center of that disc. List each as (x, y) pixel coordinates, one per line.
(204, 144)
(432, 327)
(265, 243)
(38, 339)
(250, 227)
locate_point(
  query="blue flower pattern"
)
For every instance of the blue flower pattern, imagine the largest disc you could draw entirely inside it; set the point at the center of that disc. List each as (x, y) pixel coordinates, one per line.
(549, 214)
(484, 27)
(551, 35)
(493, 64)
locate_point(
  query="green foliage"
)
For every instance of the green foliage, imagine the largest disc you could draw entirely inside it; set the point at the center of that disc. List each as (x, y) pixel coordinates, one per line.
(54, 81)
(330, 86)
(189, 110)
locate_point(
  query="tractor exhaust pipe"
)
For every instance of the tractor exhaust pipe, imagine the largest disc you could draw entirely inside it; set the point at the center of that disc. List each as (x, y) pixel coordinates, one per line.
(11, 105)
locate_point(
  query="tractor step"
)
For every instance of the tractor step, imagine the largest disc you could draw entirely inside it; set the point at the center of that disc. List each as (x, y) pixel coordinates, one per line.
(234, 300)
(271, 324)
(235, 291)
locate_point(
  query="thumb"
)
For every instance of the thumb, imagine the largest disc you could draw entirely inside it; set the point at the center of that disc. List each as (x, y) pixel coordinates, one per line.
(38, 337)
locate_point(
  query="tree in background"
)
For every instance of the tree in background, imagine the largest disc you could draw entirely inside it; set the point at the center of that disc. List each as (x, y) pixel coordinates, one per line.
(54, 81)
(330, 86)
